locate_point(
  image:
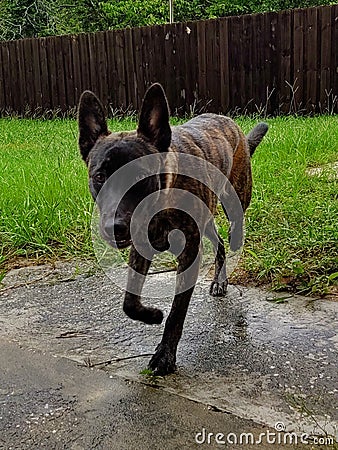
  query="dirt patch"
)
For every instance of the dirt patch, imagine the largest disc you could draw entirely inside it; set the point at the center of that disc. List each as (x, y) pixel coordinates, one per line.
(329, 170)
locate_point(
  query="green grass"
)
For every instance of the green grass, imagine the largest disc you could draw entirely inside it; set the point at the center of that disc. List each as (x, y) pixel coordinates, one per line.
(45, 205)
(291, 239)
(292, 232)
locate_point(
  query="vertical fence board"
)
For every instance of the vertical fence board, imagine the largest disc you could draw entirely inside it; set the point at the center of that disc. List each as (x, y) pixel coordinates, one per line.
(162, 46)
(7, 93)
(52, 69)
(255, 62)
(310, 63)
(325, 56)
(68, 69)
(212, 60)
(234, 65)
(121, 75)
(2, 79)
(102, 68)
(120, 63)
(7, 75)
(173, 66)
(94, 76)
(14, 74)
(75, 49)
(201, 67)
(224, 65)
(191, 58)
(284, 67)
(22, 74)
(111, 69)
(60, 73)
(11, 70)
(84, 61)
(45, 88)
(180, 64)
(129, 68)
(137, 37)
(298, 59)
(145, 55)
(36, 73)
(181, 67)
(262, 60)
(247, 84)
(334, 52)
(170, 64)
(273, 76)
(30, 97)
(266, 73)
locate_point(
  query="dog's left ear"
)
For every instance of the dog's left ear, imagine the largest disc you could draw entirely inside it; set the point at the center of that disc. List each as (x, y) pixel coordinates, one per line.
(92, 122)
(153, 124)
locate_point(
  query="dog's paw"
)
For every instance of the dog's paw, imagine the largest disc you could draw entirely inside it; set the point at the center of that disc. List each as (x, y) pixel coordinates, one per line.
(152, 316)
(163, 361)
(219, 289)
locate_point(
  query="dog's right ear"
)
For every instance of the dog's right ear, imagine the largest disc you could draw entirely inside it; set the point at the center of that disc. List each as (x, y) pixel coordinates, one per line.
(92, 122)
(153, 124)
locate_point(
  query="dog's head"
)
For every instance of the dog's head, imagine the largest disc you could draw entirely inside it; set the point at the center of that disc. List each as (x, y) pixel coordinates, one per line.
(105, 153)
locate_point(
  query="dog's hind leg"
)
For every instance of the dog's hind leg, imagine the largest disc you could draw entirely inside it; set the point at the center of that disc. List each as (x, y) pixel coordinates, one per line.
(218, 287)
(132, 306)
(164, 359)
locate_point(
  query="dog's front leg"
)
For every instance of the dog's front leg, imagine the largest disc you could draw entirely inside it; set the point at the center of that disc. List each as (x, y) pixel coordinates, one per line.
(132, 306)
(164, 359)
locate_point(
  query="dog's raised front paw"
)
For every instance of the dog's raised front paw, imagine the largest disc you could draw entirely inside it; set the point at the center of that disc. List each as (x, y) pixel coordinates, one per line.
(163, 361)
(147, 315)
(219, 289)
(152, 316)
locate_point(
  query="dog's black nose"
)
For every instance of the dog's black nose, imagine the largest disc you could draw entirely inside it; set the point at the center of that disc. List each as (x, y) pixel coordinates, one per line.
(120, 229)
(116, 229)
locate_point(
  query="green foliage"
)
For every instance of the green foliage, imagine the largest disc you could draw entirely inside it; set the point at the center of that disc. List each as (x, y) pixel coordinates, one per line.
(24, 18)
(132, 13)
(34, 18)
(219, 8)
(27, 18)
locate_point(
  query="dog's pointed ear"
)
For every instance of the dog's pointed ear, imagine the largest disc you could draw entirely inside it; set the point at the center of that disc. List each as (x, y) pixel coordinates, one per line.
(92, 122)
(153, 124)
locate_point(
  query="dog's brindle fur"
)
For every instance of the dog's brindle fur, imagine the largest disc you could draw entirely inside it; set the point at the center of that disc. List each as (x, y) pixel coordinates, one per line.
(214, 138)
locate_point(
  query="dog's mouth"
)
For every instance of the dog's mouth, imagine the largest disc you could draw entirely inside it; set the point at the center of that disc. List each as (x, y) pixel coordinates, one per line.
(121, 244)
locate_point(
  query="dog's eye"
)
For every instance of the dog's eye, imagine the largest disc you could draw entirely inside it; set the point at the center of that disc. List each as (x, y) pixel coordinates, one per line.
(99, 178)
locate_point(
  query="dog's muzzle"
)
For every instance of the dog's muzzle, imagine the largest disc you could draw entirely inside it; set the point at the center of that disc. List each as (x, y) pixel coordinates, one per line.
(116, 232)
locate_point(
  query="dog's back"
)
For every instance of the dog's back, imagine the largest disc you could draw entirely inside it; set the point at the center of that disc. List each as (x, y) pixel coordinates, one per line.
(220, 141)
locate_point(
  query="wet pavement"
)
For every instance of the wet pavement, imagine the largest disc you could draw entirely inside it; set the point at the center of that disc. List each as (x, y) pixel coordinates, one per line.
(250, 363)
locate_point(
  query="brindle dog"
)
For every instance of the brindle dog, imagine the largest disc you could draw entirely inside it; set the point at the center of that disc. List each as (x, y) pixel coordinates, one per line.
(209, 137)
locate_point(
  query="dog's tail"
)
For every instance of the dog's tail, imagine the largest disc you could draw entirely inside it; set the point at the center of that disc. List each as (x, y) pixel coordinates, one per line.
(255, 136)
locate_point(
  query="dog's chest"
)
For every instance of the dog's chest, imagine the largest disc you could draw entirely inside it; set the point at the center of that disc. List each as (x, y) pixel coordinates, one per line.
(169, 221)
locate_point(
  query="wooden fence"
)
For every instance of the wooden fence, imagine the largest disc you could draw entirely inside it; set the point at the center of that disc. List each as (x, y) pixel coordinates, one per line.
(274, 62)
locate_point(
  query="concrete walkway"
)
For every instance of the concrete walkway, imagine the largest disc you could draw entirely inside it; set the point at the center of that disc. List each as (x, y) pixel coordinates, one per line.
(250, 366)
